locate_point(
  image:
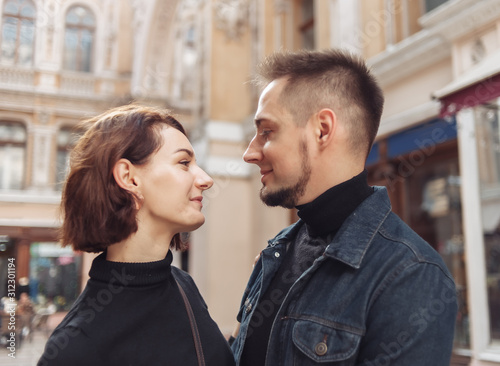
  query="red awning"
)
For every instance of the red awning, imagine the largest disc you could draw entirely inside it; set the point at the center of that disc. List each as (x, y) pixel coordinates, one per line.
(470, 96)
(478, 85)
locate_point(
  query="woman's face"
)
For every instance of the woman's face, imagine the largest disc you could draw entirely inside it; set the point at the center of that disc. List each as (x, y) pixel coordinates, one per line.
(172, 185)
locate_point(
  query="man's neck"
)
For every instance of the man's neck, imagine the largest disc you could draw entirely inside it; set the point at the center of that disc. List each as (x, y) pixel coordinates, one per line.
(326, 213)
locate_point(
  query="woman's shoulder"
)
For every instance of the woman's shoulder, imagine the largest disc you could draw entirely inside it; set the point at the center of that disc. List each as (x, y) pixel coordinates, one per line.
(187, 283)
(183, 277)
(67, 345)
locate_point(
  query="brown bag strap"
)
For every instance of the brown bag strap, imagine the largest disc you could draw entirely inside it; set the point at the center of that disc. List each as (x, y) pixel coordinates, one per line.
(194, 327)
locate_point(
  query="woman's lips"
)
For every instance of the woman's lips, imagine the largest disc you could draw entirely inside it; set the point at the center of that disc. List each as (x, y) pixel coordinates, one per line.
(198, 200)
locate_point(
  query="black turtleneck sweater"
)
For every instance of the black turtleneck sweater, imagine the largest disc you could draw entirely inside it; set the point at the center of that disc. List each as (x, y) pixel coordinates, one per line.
(323, 217)
(133, 314)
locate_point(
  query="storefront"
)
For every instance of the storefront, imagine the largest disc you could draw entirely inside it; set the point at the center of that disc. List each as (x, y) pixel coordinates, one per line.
(420, 168)
(443, 177)
(48, 273)
(473, 100)
(54, 274)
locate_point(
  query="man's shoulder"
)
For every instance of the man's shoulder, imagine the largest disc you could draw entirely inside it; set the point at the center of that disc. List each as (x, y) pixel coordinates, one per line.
(395, 233)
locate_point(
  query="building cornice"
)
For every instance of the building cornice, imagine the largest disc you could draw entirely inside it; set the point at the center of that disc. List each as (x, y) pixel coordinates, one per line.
(432, 44)
(39, 197)
(30, 223)
(408, 118)
(409, 56)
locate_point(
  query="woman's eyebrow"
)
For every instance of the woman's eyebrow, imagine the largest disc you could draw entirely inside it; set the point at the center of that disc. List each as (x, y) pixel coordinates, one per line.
(187, 151)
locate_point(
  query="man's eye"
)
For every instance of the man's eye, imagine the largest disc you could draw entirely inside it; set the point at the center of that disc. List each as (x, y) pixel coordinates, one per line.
(265, 132)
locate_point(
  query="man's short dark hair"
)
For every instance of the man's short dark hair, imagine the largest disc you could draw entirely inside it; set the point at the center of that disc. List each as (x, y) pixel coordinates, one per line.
(96, 211)
(333, 79)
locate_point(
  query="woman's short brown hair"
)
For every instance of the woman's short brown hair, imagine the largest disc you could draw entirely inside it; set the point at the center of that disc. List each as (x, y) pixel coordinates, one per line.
(96, 211)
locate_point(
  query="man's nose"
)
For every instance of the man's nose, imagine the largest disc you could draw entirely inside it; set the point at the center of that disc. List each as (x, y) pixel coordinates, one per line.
(253, 154)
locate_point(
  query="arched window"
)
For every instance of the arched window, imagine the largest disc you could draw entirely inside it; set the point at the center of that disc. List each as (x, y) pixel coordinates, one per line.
(66, 140)
(79, 39)
(18, 32)
(12, 155)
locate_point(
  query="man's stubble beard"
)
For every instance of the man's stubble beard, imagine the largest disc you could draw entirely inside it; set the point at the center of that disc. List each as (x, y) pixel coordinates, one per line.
(288, 197)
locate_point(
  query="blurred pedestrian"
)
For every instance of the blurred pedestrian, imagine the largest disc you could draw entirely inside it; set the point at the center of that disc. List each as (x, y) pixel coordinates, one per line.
(26, 312)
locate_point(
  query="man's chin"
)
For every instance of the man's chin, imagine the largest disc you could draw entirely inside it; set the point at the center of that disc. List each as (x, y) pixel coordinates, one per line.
(283, 197)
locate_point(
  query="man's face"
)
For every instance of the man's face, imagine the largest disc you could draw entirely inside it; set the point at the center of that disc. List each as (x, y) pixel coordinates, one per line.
(279, 149)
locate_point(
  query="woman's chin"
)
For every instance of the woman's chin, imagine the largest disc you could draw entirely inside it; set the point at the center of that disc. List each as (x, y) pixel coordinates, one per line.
(195, 225)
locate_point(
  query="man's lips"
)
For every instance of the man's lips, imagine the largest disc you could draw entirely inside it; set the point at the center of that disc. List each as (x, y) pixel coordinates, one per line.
(264, 173)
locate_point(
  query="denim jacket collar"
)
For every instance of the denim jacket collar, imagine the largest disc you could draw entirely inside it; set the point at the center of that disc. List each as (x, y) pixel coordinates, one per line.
(350, 246)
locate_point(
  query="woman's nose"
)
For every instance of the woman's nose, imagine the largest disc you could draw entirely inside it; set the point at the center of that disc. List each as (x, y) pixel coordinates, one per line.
(204, 181)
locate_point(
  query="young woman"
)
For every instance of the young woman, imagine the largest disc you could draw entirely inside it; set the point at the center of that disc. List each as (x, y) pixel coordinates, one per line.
(133, 186)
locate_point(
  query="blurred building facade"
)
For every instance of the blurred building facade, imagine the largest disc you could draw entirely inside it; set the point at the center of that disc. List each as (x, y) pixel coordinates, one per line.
(438, 149)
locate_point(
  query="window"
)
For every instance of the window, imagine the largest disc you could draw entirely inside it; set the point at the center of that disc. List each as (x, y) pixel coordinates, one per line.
(430, 203)
(433, 4)
(79, 39)
(306, 26)
(54, 275)
(18, 33)
(435, 214)
(66, 140)
(488, 145)
(402, 19)
(12, 155)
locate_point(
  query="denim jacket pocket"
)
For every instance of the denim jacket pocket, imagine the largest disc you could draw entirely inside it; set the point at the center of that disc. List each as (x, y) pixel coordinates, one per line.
(320, 343)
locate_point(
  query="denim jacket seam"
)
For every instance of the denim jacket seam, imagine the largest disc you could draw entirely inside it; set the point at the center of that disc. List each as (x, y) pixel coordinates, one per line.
(439, 266)
(398, 272)
(339, 355)
(366, 246)
(417, 255)
(400, 240)
(328, 323)
(384, 285)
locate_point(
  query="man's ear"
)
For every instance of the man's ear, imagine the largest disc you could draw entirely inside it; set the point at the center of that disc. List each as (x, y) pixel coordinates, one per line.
(326, 125)
(124, 174)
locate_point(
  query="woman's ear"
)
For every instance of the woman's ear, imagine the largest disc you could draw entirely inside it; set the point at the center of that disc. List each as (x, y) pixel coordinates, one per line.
(123, 172)
(125, 176)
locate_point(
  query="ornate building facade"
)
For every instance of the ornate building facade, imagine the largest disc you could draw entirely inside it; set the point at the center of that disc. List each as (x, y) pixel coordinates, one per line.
(437, 150)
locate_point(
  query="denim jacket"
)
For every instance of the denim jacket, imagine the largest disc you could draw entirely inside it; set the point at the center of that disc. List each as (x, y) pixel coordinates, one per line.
(378, 295)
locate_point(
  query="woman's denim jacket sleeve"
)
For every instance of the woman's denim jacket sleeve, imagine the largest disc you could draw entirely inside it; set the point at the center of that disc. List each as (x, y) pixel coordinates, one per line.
(379, 295)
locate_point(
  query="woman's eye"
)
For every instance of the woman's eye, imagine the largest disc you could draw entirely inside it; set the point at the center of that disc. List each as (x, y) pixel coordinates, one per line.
(185, 162)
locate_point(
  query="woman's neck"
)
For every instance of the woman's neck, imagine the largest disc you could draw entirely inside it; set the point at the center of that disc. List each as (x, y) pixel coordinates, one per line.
(142, 246)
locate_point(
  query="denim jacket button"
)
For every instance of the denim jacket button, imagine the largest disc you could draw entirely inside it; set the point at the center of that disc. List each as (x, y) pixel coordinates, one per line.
(321, 348)
(248, 308)
(277, 254)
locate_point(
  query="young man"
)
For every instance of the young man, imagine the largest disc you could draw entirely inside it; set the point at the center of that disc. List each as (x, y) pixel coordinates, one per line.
(349, 283)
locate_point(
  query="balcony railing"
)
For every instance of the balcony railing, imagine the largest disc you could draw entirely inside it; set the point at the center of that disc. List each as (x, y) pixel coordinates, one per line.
(58, 82)
(17, 77)
(78, 85)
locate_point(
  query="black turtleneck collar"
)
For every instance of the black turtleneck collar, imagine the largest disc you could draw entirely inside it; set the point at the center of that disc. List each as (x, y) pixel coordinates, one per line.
(326, 213)
(131, 274)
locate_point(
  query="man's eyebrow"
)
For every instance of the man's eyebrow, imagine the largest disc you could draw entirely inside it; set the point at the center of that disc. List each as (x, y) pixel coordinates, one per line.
(187, 151)
(260, 120)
